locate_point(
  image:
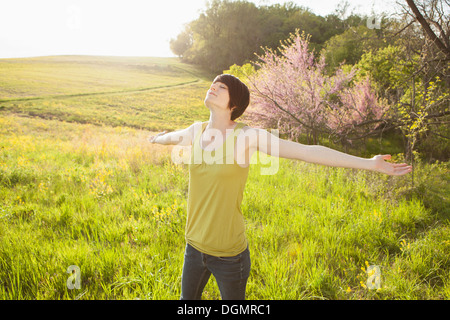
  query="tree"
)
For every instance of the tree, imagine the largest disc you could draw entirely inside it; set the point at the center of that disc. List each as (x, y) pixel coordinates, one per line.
(182, 43)
(389, 69)
(417, 109)
(231, 32)
(349, 46)
(292, 92)
(224, 33)
(424, 34)
(438, 17)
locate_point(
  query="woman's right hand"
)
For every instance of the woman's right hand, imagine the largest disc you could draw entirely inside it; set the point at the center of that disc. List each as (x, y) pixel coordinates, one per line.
(152, 139)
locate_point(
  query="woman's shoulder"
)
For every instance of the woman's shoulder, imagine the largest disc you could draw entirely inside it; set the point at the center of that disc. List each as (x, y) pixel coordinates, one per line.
(249, 129)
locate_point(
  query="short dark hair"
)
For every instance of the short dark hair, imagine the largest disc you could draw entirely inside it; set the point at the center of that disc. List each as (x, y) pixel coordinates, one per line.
(239, 94)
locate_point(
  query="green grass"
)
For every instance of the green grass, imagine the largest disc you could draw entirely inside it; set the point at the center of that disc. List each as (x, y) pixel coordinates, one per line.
(83, 187)
(35, 78)
(149, 93)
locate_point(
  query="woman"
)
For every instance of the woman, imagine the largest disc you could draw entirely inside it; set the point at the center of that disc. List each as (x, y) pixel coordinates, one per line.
(218, 170)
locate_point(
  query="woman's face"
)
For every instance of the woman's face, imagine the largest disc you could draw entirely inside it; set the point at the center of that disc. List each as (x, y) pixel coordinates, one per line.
(218, 95)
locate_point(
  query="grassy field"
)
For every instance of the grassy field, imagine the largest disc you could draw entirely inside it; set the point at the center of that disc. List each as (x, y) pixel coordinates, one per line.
(132, 92)
(79, 185)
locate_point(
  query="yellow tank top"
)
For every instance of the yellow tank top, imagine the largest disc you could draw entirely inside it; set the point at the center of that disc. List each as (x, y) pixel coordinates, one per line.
(215, 224)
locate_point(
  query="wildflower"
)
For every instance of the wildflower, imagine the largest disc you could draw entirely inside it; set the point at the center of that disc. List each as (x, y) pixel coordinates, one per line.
(22, 161)
(19, 200)
(404, 245)
(42, 187)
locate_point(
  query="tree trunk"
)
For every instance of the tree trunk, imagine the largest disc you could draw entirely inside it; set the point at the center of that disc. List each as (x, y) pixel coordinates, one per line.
(441, 46)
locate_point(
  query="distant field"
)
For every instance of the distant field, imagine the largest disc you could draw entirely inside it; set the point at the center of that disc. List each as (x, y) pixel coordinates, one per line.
(81, 186)
(66, 75)
(150, 93)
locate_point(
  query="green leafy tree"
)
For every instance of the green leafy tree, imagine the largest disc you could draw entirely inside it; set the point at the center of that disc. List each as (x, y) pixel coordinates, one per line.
(389, 68)
(226, 32)
(231, 32)
(182, 43)
(349, 46)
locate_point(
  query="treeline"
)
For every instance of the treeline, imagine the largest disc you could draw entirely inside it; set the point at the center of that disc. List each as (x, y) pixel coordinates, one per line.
(231, 32)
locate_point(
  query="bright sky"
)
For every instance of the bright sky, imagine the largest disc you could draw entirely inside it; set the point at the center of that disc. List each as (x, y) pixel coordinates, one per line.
(115, 27)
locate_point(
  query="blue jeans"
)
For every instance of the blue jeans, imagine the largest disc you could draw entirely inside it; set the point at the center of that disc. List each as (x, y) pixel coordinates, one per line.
(231, 274)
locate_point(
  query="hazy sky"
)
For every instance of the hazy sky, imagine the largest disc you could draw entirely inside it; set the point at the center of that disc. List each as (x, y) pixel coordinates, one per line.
(115, 27)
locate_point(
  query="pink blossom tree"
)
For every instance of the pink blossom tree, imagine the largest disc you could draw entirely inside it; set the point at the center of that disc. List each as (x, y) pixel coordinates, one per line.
(291, 91)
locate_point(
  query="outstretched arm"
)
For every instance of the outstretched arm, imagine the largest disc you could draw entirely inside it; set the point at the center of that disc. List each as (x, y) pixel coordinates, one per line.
(181, 137)
(272, 145)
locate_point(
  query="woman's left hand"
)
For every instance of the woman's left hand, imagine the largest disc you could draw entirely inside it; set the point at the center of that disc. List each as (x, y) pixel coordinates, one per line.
(393, 169)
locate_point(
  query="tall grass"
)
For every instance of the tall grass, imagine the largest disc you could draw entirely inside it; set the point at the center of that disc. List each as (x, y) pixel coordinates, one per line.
(103, 199)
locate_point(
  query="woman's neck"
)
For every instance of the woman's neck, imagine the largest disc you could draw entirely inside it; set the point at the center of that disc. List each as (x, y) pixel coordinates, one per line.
(221, 122)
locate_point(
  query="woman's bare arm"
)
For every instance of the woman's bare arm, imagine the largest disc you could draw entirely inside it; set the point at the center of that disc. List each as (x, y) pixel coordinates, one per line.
(272, 145)
(180, 137)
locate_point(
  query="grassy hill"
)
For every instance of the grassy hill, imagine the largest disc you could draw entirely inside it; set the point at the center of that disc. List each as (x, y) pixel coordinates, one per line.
(80, 186)
(150, 93)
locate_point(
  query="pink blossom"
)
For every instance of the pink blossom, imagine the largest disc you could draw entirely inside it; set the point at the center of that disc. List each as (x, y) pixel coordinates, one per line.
(291, 91)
